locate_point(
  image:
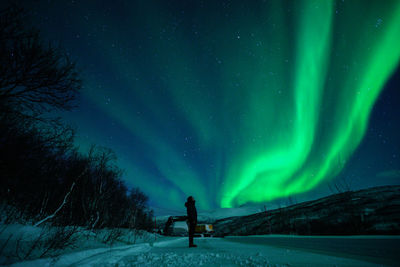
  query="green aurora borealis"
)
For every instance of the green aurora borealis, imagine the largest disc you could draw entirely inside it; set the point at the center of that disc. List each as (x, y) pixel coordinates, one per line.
(291, 111)
(239, 102)
(307, 136)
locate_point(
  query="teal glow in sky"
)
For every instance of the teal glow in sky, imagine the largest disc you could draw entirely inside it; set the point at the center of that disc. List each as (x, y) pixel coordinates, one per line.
(231, 102)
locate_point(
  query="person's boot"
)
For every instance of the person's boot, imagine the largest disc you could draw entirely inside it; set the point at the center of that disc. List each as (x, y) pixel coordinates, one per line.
(191, 245)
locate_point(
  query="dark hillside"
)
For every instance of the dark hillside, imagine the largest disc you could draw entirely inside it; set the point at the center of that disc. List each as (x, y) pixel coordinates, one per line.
(374, 211)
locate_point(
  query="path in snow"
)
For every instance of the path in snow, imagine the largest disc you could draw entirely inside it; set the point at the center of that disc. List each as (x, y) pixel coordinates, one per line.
(222, 252)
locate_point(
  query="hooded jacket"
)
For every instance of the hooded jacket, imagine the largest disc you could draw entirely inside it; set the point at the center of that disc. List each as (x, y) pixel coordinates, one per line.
(191, 211)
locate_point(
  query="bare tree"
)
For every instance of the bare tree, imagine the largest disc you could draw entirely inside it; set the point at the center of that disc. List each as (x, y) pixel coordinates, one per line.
(34, 78)
(138, 202)
(59, 208)
(100, 186)
(342, 184)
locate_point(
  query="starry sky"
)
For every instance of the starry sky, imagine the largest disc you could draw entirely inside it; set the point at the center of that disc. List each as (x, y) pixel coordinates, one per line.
(235, 102)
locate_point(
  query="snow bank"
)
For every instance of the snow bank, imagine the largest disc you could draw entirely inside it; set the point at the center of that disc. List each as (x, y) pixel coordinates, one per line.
(106, 256)
(24, 242)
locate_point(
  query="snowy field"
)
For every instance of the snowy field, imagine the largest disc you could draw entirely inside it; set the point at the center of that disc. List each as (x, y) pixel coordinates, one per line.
(239, 251)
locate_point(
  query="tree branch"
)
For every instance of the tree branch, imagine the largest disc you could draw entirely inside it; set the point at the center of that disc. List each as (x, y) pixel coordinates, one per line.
(59, 208)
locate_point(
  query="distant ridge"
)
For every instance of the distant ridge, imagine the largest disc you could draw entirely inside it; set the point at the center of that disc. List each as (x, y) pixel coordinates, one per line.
(373, 211)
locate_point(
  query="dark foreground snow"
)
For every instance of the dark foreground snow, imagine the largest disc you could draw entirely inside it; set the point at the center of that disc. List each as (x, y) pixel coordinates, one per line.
(235, 251)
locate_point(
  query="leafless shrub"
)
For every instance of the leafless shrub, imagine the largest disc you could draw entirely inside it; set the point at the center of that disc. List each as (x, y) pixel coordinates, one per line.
(62, 238)
(9, 214)
(111, 236)
(35, 245)
(3, 254)
(342, 184)
(49, 243)
(136, 234)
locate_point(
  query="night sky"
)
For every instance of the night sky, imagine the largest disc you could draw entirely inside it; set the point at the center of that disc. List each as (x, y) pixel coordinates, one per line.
(235, 102)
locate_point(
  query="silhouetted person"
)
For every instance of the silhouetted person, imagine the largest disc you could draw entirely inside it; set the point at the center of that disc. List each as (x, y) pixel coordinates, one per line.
(192, 219)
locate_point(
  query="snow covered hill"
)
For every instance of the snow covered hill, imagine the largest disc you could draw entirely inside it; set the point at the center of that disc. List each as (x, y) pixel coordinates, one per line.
(370, 211)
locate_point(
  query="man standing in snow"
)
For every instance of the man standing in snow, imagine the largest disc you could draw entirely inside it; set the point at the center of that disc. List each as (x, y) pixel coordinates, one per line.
(192, 219)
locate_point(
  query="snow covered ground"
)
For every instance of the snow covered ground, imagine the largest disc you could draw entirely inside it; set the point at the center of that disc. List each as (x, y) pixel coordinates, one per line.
(25, 242)
(234, 251)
